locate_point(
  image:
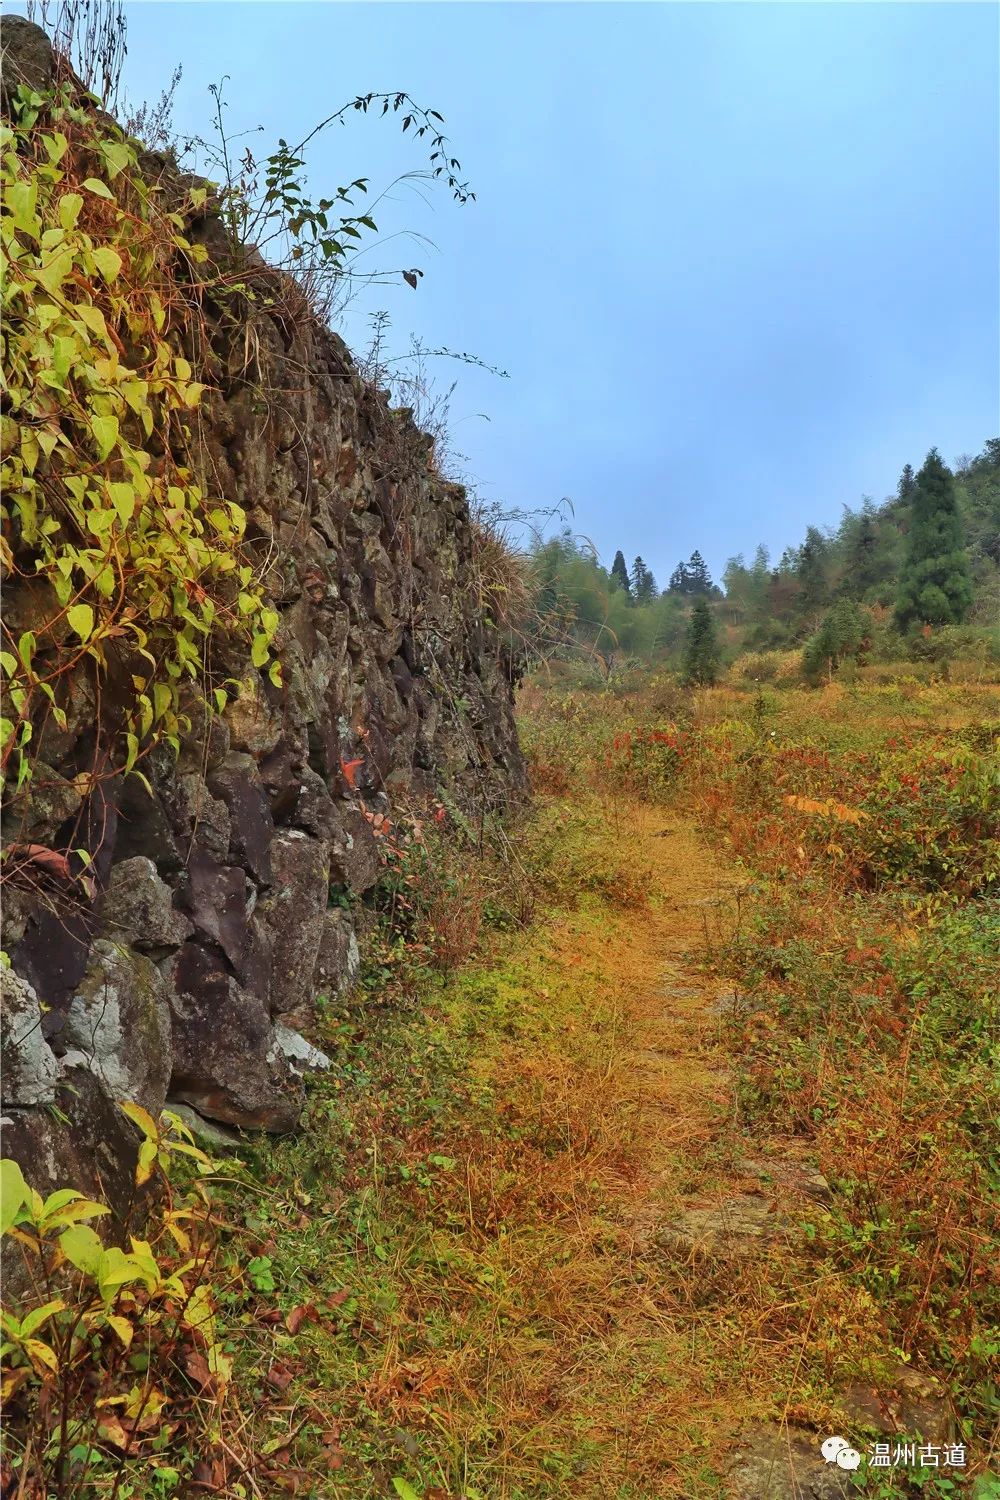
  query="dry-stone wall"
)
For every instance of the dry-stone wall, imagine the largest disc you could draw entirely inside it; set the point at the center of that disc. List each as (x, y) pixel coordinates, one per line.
(188, 969)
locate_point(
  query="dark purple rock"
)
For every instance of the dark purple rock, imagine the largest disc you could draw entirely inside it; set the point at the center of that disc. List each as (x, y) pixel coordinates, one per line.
(52, 955)
(137, 908)
(354, 856)
(226, 1063)
(315, 810)
(215, 899)
(294, 911)
(250, 821)
(281, 777)
(144, 829)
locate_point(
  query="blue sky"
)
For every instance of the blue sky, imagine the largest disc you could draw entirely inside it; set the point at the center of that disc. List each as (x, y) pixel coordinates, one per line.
(740, 260)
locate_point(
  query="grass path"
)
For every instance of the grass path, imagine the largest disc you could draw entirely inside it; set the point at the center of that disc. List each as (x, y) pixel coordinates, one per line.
(524, 1321)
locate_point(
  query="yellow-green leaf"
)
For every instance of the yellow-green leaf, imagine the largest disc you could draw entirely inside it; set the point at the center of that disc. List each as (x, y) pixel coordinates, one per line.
(70, 205)
(14, 1193)
(20, 198)
(93, 317)
(147, 1156)
(117, 155)
(142, 1118)
(105, 430)
(123, 499)
(115, 1270)
(39, 1315)
(82, 1248)
(73, 1212)
(108, 261)
(98, 188)
(41, 1354)
(59, 1199)
(53, 273)
(81, 620)
(162, 699)
(121, 1326)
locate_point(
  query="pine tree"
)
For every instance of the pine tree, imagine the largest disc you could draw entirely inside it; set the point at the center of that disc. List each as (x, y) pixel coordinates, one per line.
(699, 578)
(701, 648)
(811, 571)
(619, 572)
(934, 586)
(907, 483)
(678, 580)
(760, 577)
(643, 583)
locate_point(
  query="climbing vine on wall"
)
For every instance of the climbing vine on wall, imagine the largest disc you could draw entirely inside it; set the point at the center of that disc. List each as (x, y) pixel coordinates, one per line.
(107, 525)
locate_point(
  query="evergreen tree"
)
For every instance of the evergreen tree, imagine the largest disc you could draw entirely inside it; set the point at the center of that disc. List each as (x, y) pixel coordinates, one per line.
(861, 561)
(698, 576)
(762, 560)
(619, 572)
(643, 583)
(907, 483)
(934, 586)
(701, 647)
(678, 580)
(811, 571)
(760, 578)
(840, 636)
(867, 552)
(978, 492)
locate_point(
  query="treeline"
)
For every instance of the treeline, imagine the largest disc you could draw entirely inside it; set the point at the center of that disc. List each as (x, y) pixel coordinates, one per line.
(907, 576)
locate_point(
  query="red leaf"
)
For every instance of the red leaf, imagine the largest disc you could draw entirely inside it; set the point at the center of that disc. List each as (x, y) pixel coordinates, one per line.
(52, 862)
(295, 1318)
(350, 768)
(197, 1367)
(280, 1376)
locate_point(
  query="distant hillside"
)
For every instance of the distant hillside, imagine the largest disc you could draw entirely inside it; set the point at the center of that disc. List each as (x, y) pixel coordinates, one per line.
(620, 613)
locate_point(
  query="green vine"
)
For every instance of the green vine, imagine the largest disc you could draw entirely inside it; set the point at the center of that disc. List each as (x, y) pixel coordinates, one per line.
(127, 560)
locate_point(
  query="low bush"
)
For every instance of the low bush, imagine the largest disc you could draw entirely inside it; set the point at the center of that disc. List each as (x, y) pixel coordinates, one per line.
(118, 1376)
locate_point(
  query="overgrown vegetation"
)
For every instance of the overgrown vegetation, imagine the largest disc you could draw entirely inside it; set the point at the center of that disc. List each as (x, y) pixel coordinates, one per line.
(116, 1380)
(869, 823)
(125, 558)
(442, 1287)
(127, 567)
